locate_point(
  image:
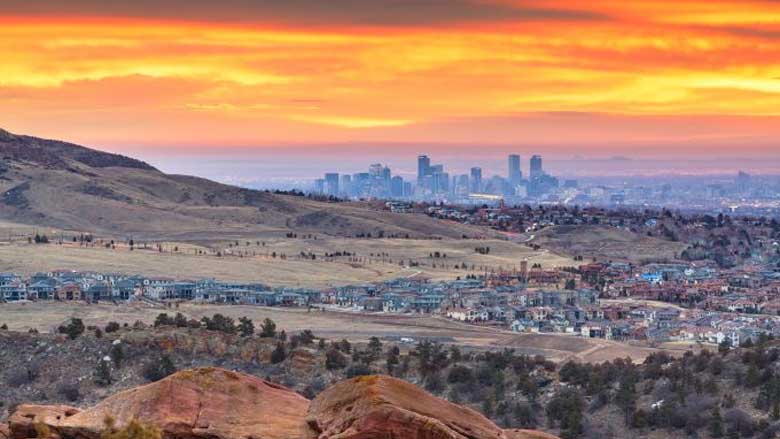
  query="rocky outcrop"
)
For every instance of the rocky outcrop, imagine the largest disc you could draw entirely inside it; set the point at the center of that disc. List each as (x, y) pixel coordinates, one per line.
(202, 403)
(5, 432)
(380, 406)
(28, 419)
(212, 403)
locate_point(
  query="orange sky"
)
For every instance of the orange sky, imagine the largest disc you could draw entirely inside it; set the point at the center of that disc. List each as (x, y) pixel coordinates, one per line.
(608, 74)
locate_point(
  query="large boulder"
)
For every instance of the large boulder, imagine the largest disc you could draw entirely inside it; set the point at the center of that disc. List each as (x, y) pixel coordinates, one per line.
(371, 407)
(29, 418)
(5, 431)
(198, 404)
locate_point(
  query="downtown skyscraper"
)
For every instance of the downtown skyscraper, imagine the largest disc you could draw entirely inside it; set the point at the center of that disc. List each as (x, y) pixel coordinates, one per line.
(514, 172)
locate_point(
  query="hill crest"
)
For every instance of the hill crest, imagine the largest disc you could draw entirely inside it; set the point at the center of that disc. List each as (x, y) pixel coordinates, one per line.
(56, 154)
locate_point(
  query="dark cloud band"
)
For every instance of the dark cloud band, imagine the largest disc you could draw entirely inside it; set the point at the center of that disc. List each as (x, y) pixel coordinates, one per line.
(304, 12)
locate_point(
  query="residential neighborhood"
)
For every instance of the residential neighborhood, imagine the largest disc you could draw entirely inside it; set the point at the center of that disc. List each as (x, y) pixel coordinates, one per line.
(658, 302)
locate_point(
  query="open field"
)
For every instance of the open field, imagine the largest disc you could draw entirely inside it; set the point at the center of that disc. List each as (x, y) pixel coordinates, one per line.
(337, 325)
(373, 260)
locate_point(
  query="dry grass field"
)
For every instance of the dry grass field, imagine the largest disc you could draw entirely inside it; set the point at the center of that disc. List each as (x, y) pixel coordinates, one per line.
(374, 260)
(356, 327)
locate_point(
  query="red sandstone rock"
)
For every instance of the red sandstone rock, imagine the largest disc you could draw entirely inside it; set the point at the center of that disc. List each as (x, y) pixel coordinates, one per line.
(373, 407)
(21, 424)
(203, 403)
(214, 403)
(5, 432)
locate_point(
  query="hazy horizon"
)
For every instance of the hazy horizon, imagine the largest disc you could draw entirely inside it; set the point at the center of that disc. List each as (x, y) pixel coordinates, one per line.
(266, 167)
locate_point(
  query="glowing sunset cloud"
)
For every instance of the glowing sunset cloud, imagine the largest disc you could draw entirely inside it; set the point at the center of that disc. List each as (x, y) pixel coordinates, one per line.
(257, 73)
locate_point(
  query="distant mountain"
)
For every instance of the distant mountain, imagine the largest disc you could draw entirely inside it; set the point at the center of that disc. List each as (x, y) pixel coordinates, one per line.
(62, 185)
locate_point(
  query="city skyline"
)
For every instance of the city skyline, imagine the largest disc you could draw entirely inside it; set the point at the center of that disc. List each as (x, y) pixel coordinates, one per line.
(435, 182)
(570, 77)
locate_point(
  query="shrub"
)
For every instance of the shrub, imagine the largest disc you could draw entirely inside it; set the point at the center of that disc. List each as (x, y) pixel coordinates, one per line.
(306, 337)
(180, 320)
(268, 328)
(335, 360)
(358, 370)
(73, 329)
(70, 391)
(524, 415)
(157, 370)
(103, 373)
(279, 354)
(219, 322)
(460, 374)
(134, 430)
(246, 327)
(117, 354)
(163, 319)
(344, 346)
(434, 383)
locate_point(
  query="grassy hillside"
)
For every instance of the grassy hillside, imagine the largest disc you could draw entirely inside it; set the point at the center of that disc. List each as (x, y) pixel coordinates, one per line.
(607, 244)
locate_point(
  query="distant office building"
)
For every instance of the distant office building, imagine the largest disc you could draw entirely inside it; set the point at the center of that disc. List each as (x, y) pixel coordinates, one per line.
(536, 169)
(397, 187)
(346, 185)
(407, 189)
(375, 170)
(462, 184)
(423, 168)
(319, 186)
(543, 184)
(476, 179)
(332, 184)
(515, 174)
(443, 182)
(743, 181)
(436, 181)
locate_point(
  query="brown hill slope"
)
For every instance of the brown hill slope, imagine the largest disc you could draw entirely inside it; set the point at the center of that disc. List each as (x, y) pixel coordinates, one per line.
(607, 243)
(57, 184)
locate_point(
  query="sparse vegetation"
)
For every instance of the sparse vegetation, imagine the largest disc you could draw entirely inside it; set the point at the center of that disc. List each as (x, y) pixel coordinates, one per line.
(133, 430)
(160, 368)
